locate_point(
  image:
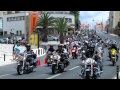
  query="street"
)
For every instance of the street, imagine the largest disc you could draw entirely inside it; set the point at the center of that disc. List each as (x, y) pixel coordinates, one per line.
(71, 72)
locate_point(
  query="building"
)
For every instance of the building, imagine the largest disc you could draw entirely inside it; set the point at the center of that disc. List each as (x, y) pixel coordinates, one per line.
(111, 21)
(15, 24)
(100, 26)
(60, 14)
(84, 26)
(114, 18)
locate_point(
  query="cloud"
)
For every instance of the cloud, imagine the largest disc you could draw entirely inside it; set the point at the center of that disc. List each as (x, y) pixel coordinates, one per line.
(88, 16)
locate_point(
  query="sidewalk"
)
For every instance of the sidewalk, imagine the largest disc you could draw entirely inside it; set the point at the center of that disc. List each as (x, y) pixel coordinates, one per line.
(6, 49)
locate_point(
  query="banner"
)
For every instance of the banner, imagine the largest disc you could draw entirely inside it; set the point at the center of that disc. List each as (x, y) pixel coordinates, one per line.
(34, 39)
(33, 21)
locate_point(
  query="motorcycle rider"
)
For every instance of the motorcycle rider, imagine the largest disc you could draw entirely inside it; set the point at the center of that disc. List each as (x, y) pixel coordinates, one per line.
(51, 50)
(60, 49)
(113, 48)
(74, 51)
(17, 50)
(66, 51)
(29, 51)
(97, 57)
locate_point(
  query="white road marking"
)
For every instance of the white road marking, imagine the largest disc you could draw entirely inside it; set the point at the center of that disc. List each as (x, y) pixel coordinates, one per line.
(116, 77)
(74, 68)
(113, 35)
(53, 76)
(4, 75)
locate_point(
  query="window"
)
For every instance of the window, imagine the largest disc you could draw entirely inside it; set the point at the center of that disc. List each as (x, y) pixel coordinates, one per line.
(20, 32)
(70, 20)
(21, 17)
(5, 32)
(17, 32)
(8, 19)
(14, 19)
(17, 11)
(17, 18)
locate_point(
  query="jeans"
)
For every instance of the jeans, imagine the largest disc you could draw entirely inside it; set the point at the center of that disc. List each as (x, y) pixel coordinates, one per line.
(100, 64)
(31, 61)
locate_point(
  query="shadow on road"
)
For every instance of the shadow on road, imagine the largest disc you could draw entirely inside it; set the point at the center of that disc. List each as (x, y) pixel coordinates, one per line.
(109, 65)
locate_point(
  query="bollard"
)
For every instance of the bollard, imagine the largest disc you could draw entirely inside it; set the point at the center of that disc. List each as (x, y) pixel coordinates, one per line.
(117, 72)
(41, 51)
(36, 51)
(4, 57)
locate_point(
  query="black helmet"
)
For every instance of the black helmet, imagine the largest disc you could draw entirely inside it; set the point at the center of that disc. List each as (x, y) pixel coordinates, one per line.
(51, 46)
(65, 46)
(28, 47)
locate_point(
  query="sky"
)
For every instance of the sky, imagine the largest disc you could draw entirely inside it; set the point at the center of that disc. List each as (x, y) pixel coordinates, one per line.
(86, 17)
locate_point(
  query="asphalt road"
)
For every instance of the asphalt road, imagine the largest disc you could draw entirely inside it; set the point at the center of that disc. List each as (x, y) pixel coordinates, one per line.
(71, 72)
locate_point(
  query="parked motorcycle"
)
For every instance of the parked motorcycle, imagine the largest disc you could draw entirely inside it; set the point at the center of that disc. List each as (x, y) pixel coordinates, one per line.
(23, 64)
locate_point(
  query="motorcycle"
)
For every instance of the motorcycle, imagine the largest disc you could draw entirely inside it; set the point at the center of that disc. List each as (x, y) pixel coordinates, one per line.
(56, 65)
(82, 55)
(74, 54)
(23, 64)
(90, 71)
(113, 59)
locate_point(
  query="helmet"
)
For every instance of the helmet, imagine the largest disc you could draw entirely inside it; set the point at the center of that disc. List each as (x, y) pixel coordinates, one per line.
(51, 46)
(65, 46)
(28, 47)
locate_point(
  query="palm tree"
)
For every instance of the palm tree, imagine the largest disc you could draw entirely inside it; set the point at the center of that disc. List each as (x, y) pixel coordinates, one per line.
(62, 27)
(45, 21)
(76, 14)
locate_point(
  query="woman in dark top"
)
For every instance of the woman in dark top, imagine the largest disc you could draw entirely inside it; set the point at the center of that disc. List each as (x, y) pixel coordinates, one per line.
(13, 52)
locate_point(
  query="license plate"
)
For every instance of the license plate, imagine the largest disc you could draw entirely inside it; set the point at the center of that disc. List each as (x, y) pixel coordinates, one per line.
(53, 63)
(87, 69)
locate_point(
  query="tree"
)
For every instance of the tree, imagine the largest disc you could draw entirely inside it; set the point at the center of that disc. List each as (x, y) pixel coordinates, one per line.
(45, 21)
(77, 22)
(61, 26)
(117, 26)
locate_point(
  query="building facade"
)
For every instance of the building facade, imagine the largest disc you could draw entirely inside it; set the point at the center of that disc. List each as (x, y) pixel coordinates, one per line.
(15, 24)
(114, 18)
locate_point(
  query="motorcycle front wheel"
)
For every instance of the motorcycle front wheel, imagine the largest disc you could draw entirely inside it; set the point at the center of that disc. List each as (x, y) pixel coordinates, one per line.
(20, 70)
(54, 69)
(87, 75)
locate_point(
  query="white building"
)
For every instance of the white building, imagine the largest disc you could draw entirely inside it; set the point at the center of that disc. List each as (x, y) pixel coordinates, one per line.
(14, 24)
(17, 22)
(61, 14)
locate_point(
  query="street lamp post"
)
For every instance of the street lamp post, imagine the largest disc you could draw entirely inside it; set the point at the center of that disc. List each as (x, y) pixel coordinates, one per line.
(102, 20)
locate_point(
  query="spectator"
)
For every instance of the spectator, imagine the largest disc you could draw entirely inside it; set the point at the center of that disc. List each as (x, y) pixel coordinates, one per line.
(14, 52)
(17, 50)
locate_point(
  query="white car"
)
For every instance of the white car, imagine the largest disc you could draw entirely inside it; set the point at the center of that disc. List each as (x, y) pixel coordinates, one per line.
(52, 38)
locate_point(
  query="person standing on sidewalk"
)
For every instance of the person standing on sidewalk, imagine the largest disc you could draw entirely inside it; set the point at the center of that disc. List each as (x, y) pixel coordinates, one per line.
(14, 51)
(17, 50)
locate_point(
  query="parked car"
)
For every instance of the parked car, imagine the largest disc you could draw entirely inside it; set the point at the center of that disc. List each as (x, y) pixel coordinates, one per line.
(5, 40)
(52, 38)
(10, 41)
(1, 40)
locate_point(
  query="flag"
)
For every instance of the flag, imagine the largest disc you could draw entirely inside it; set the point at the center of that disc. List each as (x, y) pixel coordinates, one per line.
(33, 21)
